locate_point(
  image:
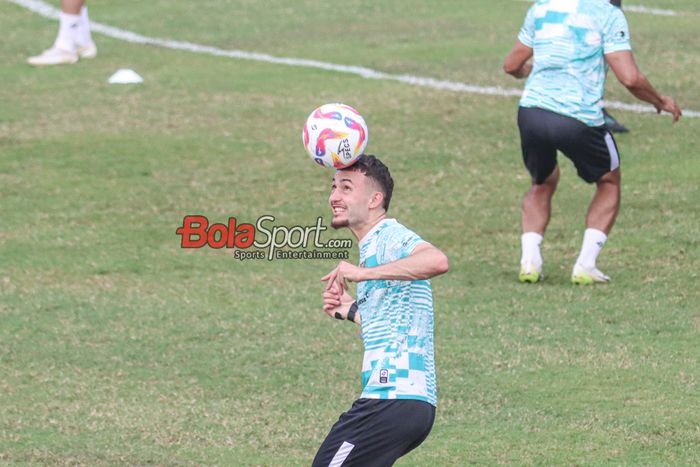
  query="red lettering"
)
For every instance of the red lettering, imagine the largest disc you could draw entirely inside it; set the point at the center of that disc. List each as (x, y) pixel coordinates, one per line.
(196, 232)
(193, 226)
(231, 241)
(247, 232)
(211, 236)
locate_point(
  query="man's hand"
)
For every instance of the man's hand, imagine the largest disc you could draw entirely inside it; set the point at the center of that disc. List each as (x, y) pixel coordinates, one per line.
(669, 105)
(342, 273)
(517, 62)
(338, 301)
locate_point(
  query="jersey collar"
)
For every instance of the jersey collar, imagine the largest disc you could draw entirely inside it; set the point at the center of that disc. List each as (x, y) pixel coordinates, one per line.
(380, 225)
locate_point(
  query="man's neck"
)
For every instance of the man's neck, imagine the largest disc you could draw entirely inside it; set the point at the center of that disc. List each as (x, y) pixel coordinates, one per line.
(361, 231)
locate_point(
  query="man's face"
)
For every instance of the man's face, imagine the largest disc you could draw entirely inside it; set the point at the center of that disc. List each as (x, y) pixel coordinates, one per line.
(349, 200)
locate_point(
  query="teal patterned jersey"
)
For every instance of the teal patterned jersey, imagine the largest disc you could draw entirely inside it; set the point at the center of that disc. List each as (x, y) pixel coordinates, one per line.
(397, 322)
(570, 39)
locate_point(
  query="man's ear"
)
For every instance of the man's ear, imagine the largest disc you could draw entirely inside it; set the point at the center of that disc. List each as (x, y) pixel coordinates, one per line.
(376, 200)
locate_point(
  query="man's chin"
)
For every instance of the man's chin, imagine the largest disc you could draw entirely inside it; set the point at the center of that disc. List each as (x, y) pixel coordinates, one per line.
(339, 223)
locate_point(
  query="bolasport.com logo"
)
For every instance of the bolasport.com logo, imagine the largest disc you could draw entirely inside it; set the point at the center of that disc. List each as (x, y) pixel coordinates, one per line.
(263, 239)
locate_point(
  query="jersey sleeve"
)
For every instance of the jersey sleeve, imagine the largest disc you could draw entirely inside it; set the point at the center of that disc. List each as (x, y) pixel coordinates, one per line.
(401, 242)
(527, 32)
(616, 36)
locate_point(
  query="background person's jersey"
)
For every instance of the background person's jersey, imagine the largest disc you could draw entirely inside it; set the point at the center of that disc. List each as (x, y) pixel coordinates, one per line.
(570, 38)
(397, 322)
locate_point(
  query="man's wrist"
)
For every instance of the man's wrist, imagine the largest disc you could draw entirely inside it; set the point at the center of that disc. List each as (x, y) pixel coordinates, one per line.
(352, 312)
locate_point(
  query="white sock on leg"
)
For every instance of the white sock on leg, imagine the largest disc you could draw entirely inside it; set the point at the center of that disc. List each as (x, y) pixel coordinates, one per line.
(593, 241)
(531, 242)
(84, 36)
(67, 32)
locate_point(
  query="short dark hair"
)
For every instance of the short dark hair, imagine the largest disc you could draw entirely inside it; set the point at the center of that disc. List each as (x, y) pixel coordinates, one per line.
(375, 169)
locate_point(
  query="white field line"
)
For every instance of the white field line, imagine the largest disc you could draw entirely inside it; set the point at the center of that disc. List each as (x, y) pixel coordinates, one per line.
(645, 10)
(43, 9)
(650, 11)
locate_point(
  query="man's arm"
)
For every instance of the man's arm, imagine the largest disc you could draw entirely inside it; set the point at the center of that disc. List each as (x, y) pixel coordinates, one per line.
(517, 61)
(424, 262)
(627, 72)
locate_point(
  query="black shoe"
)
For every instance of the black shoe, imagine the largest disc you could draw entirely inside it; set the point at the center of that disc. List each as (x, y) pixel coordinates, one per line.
(612, 124)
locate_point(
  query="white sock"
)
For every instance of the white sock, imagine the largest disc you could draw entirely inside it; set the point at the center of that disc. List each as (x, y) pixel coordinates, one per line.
(531, 242)
(84, 36)
(593, 241)
(67, 32)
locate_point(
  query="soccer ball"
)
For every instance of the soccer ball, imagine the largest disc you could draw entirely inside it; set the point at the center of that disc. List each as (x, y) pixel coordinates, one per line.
(335, 135)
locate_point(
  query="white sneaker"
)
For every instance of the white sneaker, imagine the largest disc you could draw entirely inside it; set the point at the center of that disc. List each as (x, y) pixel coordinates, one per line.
(530, 272)
(87, 51)
(584, 276)
(53, 56)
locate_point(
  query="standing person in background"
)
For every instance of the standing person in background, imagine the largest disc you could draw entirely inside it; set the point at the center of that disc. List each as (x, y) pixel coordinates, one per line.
(560, 110)
(73, 41)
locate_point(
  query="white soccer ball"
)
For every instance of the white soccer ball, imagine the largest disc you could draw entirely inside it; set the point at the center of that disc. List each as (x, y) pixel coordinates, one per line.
(335, 135)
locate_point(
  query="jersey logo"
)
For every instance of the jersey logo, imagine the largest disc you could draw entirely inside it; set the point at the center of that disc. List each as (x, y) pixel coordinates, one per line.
(383, 376)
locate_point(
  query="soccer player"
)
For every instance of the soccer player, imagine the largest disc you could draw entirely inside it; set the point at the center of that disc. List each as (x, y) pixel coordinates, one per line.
(560, 109)
(73, 41)
(394, 307)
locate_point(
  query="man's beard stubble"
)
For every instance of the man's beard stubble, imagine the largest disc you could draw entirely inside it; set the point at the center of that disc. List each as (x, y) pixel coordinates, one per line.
(339, 224)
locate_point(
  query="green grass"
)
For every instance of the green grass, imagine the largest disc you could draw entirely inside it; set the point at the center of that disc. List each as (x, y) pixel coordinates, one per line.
(118, 347)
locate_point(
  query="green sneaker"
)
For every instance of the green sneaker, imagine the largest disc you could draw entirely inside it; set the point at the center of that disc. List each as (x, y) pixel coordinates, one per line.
(531, 273)
(583, 276)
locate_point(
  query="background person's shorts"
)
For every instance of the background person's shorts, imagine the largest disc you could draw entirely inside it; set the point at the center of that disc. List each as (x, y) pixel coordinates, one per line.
(592, 149)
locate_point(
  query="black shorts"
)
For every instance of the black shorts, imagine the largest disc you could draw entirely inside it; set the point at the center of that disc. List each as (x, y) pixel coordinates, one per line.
(376, 432)
(592, 149)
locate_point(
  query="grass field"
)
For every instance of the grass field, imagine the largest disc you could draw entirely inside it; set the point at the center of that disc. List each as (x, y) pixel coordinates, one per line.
(119, 347)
